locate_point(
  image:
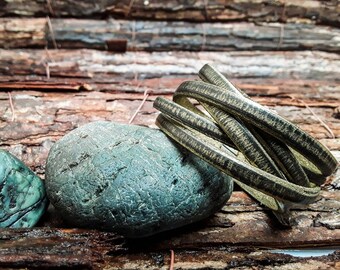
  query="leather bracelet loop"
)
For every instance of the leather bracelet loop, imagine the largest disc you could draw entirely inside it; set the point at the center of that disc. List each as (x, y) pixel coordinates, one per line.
(261, 117)
(243, 172)
(284, 160)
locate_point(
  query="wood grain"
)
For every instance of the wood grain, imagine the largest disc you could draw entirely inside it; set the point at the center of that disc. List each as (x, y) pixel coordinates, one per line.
(212, 242)
(284, 54)
(42, 118)
(146, 65)
(164, 35)
(315, 11)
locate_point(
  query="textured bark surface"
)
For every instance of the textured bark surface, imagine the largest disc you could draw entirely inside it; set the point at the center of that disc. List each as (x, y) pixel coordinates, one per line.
(283, 91)
(42, 118)
(224, 240)
(318, 11)
(165, 35)
(144, 65)
(237, 236)
(283, 53)
(96, 85)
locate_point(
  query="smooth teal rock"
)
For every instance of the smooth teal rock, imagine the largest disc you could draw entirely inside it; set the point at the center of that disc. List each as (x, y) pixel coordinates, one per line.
(22, 194)
(130, 179)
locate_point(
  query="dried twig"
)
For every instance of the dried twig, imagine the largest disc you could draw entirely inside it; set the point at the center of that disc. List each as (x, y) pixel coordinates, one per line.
(206, 10)
(11, 106)
(49, 6)
(133, 39)
(45, 61)
(204, 37)
(51, 32)
(133, 35)
(47, 68)
(282, 33)
(49, 56)
(319, 119)
(146, 95)
(172, 260)
(129, 8)
(315, 116)
(283, 13)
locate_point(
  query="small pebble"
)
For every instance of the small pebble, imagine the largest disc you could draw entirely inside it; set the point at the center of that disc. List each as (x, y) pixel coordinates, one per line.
(22, 194)
(131, 179)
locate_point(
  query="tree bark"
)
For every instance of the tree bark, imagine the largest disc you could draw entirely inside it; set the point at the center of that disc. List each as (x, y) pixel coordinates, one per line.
(38, 119)
(118, 35)
(315, 11)
(57, 74)
(143, 65)
(291, 91)
(242, 234)
(41, 118)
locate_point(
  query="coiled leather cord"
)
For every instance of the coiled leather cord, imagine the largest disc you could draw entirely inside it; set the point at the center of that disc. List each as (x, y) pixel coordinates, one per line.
(275, 162)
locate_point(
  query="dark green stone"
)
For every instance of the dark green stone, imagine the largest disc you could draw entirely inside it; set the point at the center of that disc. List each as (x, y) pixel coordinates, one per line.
(22, 194)
(130, 179)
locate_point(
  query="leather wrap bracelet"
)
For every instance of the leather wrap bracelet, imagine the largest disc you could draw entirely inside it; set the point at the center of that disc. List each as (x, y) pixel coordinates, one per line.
(270, 158)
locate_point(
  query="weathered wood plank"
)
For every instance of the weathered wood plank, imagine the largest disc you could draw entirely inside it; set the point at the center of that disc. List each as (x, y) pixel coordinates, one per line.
(39, 119)
(164, 35)
(217, 259)
(95, 250)
(232, 237)
(314, 93)
(224, 240)
(43, 84)
(47, 248)
(318, 11)
(141, 65)
(237, 236)
(55, 91)
(31, 33)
